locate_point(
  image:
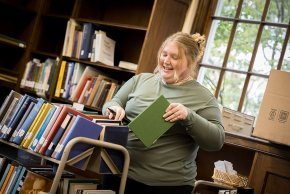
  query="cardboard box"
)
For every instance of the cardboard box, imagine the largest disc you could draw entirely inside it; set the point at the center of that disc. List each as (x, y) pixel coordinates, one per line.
(273, 121)
(237, 122)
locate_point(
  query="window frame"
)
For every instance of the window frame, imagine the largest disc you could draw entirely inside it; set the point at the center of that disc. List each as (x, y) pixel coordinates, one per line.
(203, 24)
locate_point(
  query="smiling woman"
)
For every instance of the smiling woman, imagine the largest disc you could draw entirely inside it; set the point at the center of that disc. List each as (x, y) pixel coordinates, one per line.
(169, 166)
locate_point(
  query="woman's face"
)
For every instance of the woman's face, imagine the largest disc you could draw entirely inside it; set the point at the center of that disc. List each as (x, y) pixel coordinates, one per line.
(172, 64)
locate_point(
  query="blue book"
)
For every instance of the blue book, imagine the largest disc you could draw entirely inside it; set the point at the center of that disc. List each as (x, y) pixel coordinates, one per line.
(81, 127)
(58, 134)
(117, 135)
(5, 174)
(19, 104)
(18, 179)
(88, 31)
(10, 112)
(29, 120)
(13, 178)
(68, 80)
(28, 110)
(19, 114)
(42, 128)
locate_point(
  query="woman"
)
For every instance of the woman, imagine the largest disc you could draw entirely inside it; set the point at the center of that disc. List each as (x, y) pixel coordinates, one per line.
(169, 166)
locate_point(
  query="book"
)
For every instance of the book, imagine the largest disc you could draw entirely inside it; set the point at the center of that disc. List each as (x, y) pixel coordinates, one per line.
(72, 25)
(68, 80)
(85, 90)
(35, 123)
(112, 161)
(56, 125)
(41, 130)
(60, 79)
(24, 117)
(8, 116)
(5, 127)
(32, 133)
(104, 84)
(111, 92)
(95, 88)
(128, 65)
(23, 106)
(48, 85)
(88, 31)
(4, 175)
(48, 128)
(18, 180)
(28, 121)
(150, 124)
(103, 96)
(104, 49)
(7, 178)
(45, 81)
(12, 179)
(9, 106)
(81, 127)
(58, 134)
(77, 73)
(69, 182)
(66, 130)
(88, 73)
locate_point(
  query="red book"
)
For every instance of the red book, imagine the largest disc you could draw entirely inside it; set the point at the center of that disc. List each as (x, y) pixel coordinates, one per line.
(56, 125)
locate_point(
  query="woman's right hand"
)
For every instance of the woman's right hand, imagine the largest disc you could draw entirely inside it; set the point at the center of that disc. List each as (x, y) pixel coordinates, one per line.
(119, 113)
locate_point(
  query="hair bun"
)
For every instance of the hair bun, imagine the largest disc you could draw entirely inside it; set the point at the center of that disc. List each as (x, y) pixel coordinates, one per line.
(200, 39)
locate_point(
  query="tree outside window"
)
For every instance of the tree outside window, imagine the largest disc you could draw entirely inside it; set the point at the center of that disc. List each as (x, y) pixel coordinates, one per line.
(247, 39)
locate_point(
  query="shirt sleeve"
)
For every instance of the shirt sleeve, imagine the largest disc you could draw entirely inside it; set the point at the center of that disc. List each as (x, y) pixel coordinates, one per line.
(205, 127)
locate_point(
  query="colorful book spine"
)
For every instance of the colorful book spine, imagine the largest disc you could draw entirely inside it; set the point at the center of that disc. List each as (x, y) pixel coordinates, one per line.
(29, 120)
(81, 127)
(58, 135)
(42, 128)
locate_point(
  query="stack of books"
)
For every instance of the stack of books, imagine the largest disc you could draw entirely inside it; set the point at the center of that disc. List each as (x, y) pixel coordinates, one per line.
(87, 43)
(46, 128)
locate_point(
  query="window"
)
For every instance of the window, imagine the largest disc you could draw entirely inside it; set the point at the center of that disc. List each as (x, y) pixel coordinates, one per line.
(247, 38)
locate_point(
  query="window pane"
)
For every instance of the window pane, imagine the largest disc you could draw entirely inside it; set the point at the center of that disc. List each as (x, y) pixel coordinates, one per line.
(269, 50)
(254, 96)
(227, 8)
(252, 9)
(279, 11)
(243, 44)
(208, 78)
(217, 43)
(231, 90)
(286, 61)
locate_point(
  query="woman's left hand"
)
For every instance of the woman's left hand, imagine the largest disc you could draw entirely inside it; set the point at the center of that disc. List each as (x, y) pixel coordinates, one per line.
(175, 112)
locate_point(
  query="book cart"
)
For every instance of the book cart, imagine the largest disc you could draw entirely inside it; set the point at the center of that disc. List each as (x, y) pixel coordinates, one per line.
(64, 159)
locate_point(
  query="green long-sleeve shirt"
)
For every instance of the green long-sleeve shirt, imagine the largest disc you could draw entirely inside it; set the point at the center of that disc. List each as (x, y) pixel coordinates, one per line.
(170, 161)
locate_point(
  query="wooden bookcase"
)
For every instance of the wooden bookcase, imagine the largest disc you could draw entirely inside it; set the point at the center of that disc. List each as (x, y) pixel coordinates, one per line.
(36, 29)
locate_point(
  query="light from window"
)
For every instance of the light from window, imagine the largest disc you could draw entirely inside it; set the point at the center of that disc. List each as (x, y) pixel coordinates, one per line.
(247, 39)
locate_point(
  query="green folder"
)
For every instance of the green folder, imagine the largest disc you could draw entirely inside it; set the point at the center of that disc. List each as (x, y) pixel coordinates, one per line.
(150, 124)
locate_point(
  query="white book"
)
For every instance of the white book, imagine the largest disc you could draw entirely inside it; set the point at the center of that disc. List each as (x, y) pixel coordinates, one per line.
(128, 65)
(104, 50)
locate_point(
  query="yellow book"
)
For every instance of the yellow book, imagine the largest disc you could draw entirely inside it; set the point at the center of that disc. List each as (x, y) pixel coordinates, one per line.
(33, 125)
(37, 125)
(60, 79)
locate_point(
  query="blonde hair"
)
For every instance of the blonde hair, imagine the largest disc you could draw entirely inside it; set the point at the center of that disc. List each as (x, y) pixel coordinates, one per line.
(192, 45)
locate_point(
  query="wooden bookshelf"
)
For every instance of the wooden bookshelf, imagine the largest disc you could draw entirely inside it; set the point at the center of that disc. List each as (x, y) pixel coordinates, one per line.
(36, 29)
